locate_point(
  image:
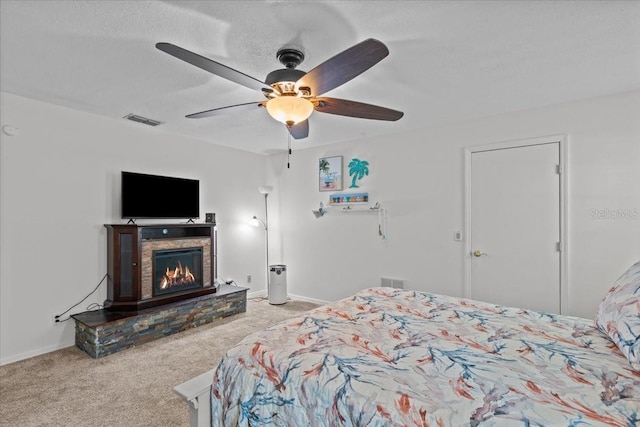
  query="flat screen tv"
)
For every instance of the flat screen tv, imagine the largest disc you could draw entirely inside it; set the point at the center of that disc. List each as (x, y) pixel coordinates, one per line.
(155, 196)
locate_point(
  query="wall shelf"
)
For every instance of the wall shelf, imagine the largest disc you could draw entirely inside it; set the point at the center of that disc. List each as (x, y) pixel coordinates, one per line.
(376, 209)
(347, 210)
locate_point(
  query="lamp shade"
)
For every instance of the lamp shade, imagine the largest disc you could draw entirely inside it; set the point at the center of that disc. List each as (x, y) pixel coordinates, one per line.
(265, 189)
(254, 222)
(289, 109)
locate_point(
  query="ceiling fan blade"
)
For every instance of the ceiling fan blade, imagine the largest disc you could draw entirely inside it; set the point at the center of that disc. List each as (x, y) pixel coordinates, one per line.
(227, 110)
(343, 67)
(345, 107)
(214, 67)
(300, 130)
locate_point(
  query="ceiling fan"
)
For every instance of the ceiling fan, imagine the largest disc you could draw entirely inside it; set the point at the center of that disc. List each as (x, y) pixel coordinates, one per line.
(291, 94)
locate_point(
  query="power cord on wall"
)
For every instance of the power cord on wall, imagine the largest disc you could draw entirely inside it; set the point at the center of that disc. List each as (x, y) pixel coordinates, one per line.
(222, 281)
(94, 306)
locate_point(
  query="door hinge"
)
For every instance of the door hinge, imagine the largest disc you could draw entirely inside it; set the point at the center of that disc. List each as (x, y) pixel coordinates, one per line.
(559, 246)
(559, 169)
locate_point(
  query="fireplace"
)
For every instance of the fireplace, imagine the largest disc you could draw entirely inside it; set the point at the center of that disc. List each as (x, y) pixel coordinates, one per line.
(154, 265)
(176, 270)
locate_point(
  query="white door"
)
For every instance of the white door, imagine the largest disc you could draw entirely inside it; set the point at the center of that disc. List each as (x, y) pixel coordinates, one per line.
(514, 219)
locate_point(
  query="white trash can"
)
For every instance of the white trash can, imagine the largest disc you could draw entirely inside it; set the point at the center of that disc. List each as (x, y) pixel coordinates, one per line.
(277, 284)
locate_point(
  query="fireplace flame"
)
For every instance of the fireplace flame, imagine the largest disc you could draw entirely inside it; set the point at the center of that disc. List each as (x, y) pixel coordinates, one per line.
(177, 276)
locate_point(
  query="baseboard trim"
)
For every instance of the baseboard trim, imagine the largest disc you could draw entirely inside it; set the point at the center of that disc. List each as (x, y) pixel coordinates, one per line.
(34, 353)
(306, 299)
(263, 294)
(257, 294)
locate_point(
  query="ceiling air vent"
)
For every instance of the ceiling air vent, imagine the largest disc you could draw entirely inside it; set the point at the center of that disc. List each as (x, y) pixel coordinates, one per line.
(143, 120)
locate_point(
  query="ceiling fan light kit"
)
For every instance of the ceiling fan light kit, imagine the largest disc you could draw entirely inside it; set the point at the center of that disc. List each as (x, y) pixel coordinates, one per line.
(289, 109)
(291, 93)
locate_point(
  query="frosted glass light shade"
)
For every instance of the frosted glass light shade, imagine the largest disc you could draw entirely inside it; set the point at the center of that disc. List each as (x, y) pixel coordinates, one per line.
(289, 109)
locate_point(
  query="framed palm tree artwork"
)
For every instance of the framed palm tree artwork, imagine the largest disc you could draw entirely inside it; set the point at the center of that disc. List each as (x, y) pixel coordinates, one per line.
(330, 173)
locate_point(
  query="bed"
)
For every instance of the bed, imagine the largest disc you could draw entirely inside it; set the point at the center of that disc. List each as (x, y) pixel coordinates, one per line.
(390, 357)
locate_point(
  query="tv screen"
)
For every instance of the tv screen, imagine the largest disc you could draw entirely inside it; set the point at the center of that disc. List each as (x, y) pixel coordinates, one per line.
(154, 196)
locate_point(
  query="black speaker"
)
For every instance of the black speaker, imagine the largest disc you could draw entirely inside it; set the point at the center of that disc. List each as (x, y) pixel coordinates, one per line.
(210, 217)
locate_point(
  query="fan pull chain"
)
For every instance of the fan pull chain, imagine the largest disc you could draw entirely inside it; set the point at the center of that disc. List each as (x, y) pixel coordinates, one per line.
(289, 152)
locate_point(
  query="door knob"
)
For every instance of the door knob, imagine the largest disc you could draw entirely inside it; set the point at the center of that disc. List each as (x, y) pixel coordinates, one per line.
(477, 253)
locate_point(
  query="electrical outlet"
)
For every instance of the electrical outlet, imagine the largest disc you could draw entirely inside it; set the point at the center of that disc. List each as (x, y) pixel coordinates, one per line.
(248, 278)
(56, 321)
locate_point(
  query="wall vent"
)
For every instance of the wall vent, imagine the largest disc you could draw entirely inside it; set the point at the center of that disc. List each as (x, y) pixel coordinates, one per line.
(143, 120)
(392, 283)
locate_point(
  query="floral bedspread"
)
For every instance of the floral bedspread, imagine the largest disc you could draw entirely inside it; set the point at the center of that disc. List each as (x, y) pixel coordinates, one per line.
(388, 357)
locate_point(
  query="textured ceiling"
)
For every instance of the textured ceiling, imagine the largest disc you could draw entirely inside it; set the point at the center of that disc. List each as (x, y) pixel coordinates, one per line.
(449, 61)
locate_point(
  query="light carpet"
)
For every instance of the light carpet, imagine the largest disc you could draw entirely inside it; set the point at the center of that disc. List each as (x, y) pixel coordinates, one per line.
(131, 388)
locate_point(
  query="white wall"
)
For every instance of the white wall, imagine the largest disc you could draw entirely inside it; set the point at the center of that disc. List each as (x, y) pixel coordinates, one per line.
(418, 178)
(59, 185)
(60, 182)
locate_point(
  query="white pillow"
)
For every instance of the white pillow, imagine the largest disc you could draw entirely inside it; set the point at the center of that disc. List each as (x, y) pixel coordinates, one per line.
(618, 315)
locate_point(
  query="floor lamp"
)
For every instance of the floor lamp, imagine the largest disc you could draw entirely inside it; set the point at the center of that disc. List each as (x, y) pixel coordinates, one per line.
(255, 221)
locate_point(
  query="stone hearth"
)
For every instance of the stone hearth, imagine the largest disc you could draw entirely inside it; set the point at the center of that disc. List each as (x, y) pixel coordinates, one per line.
(102, 332)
